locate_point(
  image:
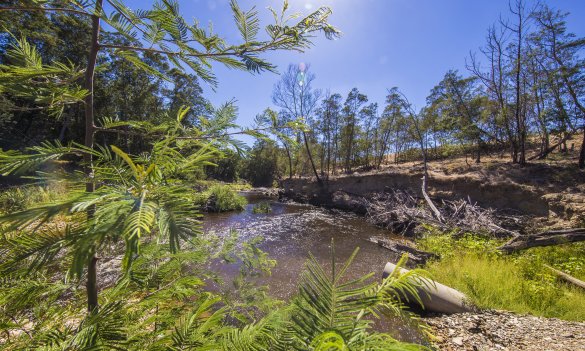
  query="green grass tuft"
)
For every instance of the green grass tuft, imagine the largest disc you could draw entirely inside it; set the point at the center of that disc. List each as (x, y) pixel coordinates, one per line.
(22, 197)
(262, 207)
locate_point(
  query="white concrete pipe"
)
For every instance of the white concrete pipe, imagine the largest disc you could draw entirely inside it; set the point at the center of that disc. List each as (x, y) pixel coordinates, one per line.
(436, 297)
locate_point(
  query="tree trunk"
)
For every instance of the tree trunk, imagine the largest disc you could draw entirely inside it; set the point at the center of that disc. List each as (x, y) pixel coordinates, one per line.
(552, 237)
(478, 159)
(91, 286)
(311, 158)
(550, 149)
(566, 277)
(582, 153)
(290, 166)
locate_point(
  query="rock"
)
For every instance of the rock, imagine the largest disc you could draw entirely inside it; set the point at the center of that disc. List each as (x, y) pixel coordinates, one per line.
(498, 330)
(350, 202)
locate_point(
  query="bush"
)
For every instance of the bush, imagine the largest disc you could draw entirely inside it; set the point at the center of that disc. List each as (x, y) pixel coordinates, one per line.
(222, 198)
(262, 207)
(519, 283)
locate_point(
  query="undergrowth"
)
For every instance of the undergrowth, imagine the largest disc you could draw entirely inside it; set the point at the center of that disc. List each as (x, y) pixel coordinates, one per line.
(22, 197)
(520, 283)
(222, 198)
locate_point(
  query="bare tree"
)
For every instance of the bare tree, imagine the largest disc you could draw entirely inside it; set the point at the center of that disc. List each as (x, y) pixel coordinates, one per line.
(421, 140)
(296, 97)
(494, 78)
(518, 31)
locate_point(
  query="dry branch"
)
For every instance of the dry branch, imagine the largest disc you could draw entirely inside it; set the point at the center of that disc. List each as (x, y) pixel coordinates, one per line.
(566, 277)
(402, 213)
(432, 206)
(548, 238)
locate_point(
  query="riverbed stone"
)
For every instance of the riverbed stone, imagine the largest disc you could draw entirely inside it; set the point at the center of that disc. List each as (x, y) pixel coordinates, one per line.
(500, 330)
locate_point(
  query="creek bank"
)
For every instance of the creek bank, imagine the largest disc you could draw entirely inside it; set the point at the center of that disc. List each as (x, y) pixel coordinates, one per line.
(351, 192)
(499, 330)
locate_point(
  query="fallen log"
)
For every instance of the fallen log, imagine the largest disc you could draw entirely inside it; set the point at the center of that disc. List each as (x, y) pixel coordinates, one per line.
(419, 257)
(548, 238)
(436, 297)
(545, 153)
(566, 277)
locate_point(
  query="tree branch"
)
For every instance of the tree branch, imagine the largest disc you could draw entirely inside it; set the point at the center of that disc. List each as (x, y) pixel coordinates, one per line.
(46, 9)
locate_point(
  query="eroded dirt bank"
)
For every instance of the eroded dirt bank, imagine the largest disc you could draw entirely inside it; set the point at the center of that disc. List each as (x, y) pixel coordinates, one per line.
(543, 192)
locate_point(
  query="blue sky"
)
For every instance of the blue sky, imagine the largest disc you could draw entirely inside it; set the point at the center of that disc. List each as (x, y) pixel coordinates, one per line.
(385, 43)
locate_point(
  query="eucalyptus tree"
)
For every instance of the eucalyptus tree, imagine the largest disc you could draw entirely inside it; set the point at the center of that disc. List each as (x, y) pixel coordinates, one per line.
(329, 115)
(559, 57)
(161, 30)
(283, 128)
(351, 108)
(416, 121)
(459, 105)
(294, 94)
(370, 120)
(390, 124)
(186, 91)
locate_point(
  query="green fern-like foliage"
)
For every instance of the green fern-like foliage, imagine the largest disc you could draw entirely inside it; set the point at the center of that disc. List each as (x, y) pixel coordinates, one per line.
(136, 199)
(160, 304)
(335, 313)
(25, 76)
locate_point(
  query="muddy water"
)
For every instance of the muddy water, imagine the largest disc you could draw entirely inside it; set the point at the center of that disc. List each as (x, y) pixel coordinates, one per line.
(293, 230)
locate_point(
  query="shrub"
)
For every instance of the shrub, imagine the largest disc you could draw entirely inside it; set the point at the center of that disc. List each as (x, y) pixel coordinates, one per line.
(262, 207)
(222, 198)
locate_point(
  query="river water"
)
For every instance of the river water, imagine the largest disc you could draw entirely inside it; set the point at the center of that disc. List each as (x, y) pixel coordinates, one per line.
(293, 230)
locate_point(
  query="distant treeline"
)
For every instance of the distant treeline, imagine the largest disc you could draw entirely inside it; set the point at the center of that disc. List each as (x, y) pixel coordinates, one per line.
(524, 89)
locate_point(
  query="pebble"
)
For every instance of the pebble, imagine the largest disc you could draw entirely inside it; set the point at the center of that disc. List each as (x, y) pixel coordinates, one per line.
(500, 330)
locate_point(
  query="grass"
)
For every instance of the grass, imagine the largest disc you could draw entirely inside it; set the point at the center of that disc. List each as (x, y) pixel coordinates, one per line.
(262, 207)
(236, 186)
(222, 198)
(22, 197)
(519, 283)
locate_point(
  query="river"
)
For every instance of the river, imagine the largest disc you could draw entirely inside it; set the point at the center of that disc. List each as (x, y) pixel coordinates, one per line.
(293, 230)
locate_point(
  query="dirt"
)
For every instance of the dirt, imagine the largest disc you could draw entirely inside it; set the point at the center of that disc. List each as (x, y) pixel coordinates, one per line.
(498, 330)
(551, 189)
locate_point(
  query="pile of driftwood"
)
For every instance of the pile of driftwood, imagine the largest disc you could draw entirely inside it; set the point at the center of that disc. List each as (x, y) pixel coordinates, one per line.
(402, 213)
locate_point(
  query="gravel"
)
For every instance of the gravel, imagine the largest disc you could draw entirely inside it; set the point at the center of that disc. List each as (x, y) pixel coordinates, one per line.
(498, 330)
